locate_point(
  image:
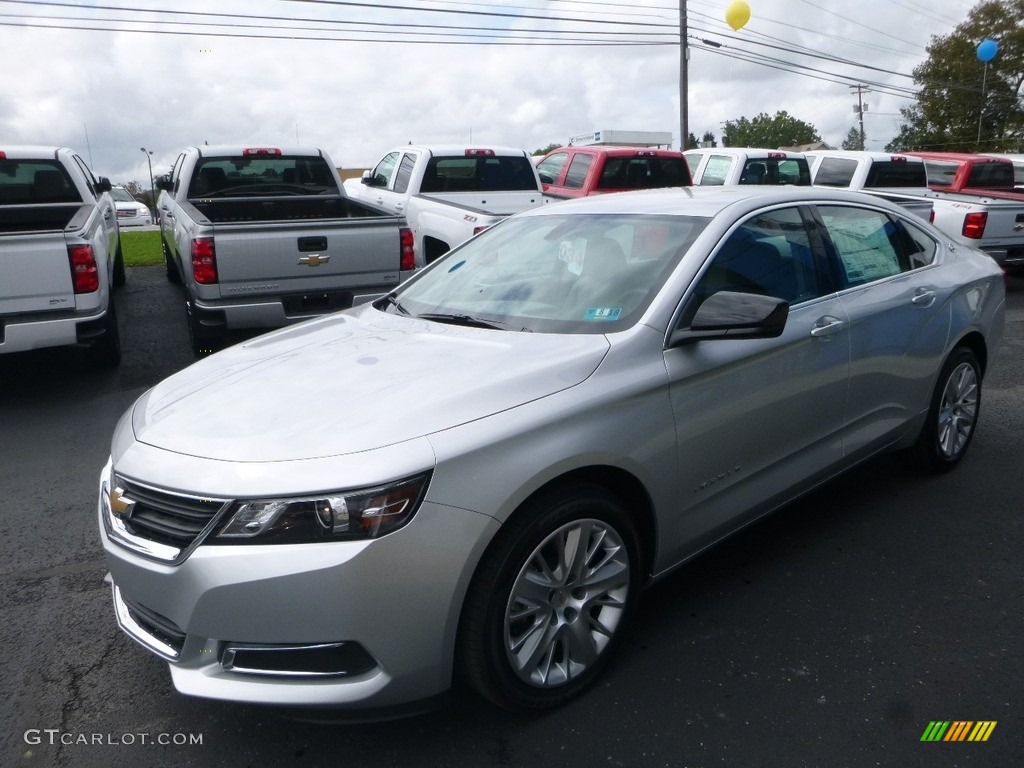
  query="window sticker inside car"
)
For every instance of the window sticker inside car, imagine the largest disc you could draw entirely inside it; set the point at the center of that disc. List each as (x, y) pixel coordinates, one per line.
(603, 313)
(572, 254)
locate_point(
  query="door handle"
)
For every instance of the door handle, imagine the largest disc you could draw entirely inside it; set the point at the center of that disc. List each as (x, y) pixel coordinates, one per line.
(827, 326)
(399, 207)
(923, 297)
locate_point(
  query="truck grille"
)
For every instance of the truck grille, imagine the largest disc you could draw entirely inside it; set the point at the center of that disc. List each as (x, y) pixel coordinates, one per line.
(172, 519)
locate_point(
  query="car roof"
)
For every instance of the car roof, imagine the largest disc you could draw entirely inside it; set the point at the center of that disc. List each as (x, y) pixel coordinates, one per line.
(458, 150)
(706, 202)
(752, 152)
(855, 154)
(596, 149)
(236, 150)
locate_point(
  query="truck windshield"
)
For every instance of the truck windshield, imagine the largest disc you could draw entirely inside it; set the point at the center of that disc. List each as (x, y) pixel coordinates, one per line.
(644, 173)
(482, 173)
(261, 175)
(592, 273)
(25, 182)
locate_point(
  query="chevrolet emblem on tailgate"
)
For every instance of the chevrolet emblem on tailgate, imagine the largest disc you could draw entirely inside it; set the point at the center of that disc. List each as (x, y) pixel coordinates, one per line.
(120, 505)
(314, 260)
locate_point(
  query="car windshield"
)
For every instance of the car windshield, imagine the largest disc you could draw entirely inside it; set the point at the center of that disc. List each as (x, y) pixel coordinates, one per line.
(592, 273)
(122, 195)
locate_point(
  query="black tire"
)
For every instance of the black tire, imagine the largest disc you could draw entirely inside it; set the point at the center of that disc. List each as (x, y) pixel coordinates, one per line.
(566, 630)
(953, 413)
(203, 342)
(105, 352)
(173, 277)
(119, 273)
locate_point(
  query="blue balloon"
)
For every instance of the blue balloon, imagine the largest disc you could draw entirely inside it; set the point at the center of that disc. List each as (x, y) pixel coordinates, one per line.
(987, 50)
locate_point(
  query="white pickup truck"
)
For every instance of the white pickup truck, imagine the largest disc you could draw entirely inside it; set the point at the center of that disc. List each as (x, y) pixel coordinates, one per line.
(449, 193)
(993, 225)
(728, 166)
(262, 237)
(60, 255)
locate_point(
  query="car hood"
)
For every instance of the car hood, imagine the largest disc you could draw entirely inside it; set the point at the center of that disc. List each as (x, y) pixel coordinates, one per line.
(352, 382)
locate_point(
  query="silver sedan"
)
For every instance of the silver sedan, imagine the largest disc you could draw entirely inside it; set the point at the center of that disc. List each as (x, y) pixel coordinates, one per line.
(480, 471)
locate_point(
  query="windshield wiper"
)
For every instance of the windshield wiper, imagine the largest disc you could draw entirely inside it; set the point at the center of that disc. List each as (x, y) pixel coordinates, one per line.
(467, 320)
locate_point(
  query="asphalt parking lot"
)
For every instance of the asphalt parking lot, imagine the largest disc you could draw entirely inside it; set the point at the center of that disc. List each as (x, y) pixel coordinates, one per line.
(831, 634)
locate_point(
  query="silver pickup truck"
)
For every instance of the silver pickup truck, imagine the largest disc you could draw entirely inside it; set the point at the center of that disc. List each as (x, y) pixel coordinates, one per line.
(261, 237)
(60, 255)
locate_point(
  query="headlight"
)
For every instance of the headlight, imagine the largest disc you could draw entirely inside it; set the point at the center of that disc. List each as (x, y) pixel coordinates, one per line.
(367, 513)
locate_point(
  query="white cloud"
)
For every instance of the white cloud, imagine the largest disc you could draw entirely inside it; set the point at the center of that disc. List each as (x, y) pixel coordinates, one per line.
(109, 93)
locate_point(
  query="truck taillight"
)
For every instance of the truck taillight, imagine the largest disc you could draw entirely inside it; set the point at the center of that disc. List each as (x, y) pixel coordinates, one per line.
(261, 151)
(478, 230)
(85, 275)
(974, 225)
(204, 261)
(408, 246)
(3, 155)
(479, 153)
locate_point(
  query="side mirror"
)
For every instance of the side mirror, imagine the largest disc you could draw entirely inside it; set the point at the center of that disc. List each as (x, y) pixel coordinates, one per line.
(371, 181)
(545, 178)
(163, 181)
(729, 315)
(103, 185)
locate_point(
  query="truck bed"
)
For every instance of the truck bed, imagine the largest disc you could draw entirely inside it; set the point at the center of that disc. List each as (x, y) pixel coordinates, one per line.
(267, 209)
(51, 217)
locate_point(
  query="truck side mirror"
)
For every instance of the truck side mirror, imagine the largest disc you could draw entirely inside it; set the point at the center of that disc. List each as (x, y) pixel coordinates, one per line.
(163, 181)
(103, 185)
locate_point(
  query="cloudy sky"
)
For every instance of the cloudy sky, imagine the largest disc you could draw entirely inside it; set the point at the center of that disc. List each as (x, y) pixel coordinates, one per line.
(357, 78)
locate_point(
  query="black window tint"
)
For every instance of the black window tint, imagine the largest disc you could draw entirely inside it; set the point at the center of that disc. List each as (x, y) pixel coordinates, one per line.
(897, 174)
(404, 173)
(24, 182)
(920, 248)
(478, 173)
(577, 172)
(835, 172)
(770, 255)
(868, 243)
(643, 173)
(991, 175)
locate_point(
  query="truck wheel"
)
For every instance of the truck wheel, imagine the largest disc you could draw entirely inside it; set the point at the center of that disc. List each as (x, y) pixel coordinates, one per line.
(172, 271)
(203, 342)
(105, 352)
(119, 273)
(551, 599)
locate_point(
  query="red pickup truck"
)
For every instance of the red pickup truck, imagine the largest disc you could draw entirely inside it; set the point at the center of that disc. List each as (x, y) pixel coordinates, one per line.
(569, 172)
(970, 174)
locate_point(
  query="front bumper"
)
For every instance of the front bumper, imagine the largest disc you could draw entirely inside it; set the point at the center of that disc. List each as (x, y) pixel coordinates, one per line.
(365, 625)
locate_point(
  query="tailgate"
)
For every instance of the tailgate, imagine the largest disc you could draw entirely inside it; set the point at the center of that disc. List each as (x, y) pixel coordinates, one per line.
(1005, 224)
(267, 258)
(502, 203)
(35, 274)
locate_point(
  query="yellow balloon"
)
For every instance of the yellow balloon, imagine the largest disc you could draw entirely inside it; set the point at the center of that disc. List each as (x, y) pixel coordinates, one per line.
(737, 14)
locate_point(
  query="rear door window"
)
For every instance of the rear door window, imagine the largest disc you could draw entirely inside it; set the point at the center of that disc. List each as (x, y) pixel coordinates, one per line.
(835, 172)
(869, 244)
(550, 168)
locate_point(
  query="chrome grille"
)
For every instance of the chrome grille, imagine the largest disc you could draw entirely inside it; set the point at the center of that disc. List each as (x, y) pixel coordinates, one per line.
(170, 639)
(172, 519)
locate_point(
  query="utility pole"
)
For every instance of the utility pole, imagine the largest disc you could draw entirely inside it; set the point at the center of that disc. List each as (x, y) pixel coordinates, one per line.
(860, 108)
(684, 55)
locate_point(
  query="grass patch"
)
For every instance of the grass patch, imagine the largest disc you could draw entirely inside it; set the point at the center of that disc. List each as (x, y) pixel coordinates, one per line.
(141, 249)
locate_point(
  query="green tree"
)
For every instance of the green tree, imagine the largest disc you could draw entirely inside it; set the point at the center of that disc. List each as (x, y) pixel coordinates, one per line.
(963, 104)
(708, 139)
(545, 150)
(691, 142)
(852, 140)
(766, 132)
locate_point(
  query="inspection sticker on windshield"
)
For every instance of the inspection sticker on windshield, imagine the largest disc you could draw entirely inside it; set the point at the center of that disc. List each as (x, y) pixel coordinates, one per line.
(603, 313)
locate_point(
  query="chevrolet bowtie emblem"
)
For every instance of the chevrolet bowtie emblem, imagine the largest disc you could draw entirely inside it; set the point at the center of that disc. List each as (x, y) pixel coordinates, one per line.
(120, 505)
(314, 260)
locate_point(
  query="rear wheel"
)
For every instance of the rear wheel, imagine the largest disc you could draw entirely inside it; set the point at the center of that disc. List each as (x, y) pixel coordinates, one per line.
(119, 273)
(172, 271)
(551, 599)
(105, 352)
(953, 415)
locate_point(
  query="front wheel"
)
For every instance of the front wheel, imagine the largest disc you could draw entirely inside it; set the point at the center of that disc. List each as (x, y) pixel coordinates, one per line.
(953, 415)
(551, 599)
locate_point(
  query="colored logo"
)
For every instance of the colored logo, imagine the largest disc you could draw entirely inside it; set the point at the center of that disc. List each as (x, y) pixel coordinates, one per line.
(958, 730)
